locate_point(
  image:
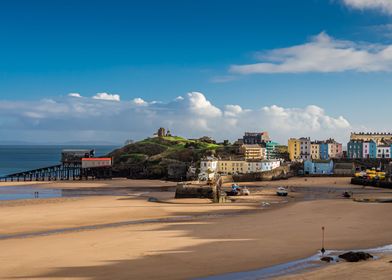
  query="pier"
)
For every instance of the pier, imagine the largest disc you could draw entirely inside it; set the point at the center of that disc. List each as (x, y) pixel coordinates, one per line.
(49, 173)
(75, 165)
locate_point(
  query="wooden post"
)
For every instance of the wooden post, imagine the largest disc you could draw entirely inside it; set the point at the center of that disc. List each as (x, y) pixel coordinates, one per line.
(322, 242)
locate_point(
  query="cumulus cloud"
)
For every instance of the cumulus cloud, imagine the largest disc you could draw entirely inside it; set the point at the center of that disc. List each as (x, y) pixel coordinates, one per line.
(107, 96)
(310, 118)
(383, 5)
(199, 105)
(193, 115)
(140, 101)
(74, 94)
(322, 54)
(232, 110)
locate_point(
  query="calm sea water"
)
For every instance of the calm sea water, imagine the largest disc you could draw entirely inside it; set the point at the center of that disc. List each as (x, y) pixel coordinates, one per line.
(17, 158)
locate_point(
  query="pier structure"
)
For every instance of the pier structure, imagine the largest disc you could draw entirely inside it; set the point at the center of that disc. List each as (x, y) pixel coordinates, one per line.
(49, 173)
(75, 165)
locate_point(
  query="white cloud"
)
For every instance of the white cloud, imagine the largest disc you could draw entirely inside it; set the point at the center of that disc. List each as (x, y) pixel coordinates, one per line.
(140, 101)
(310, 118)
(224, 79)
(322, 54)
(107, 96)
(192, 116)
(384, 5)
(232, 110)
(74, 94)
(199, 105)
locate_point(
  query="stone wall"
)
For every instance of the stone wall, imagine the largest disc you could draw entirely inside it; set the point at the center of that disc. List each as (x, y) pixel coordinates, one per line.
(374, 183)
(193, 191)
(282, 172)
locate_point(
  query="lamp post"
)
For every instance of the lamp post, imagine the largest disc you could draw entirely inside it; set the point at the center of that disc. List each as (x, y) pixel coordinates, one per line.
(322, 241)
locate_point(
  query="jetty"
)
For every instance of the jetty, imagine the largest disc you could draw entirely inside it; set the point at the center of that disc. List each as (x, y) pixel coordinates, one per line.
(75, 165)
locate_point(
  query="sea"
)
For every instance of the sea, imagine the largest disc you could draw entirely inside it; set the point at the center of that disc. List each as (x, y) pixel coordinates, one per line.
(18, 158)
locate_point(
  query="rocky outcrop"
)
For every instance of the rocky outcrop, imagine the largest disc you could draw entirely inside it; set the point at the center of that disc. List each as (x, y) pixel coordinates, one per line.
(355, 256)
(326, 259)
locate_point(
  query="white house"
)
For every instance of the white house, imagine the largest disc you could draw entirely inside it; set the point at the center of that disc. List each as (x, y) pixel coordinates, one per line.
(267, 165)
(262, 165)
(384, 151)
(208, 168)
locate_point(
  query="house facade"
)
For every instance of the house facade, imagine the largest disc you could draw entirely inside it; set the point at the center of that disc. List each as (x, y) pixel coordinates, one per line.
(232, 166)
(210, 166)
(253, 151)
(270, 148)
(355, 149)
(324, 151)
(305, 148)
(335, 149)
(315, 150)
(377, 137)
(369, 149)
(256, 137)
(384, 151)
(294, 149)
(318, 167)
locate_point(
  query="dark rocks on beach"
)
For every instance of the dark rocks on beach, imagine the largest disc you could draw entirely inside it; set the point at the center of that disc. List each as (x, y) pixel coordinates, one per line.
(355, 256)
(326, 259)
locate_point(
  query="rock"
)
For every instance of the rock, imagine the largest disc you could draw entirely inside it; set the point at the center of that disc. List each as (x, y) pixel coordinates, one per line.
(152, 199)
(355, 256)
(326, 259)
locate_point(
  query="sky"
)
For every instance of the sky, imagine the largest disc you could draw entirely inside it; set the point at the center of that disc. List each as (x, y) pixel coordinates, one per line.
(107, 71)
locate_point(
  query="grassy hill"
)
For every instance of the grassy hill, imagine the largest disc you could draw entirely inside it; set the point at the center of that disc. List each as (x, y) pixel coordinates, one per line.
(166, 157)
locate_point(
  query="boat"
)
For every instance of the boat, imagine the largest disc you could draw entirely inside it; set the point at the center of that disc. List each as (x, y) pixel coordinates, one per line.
(281, 191)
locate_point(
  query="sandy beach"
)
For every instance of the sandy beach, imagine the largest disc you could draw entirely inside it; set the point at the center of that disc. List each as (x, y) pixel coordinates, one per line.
(206, 243)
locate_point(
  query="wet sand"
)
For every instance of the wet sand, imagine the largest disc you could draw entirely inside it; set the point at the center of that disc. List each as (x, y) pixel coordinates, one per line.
(378, 269)
(183, 249)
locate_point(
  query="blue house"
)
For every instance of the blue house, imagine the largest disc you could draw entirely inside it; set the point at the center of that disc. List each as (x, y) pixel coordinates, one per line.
(324, 151)
(355, 149)
(318, 167)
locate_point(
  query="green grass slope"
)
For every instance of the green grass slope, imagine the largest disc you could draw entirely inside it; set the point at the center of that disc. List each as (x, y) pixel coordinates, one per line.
(165, 157)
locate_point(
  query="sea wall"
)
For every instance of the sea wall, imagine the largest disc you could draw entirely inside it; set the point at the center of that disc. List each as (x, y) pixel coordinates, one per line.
(373, 183)
(280, 173)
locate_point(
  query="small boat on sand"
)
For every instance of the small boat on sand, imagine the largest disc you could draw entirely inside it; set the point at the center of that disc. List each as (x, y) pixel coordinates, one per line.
(281, 191)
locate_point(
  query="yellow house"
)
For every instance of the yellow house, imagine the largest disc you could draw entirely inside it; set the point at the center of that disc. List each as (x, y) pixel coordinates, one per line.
(232, 166)
(294, 147)
(253, 151)
(315, 150)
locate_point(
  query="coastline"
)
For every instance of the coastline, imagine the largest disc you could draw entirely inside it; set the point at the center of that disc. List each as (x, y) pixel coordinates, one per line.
(183, 249)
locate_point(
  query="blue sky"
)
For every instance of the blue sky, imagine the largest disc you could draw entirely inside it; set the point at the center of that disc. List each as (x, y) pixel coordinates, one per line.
(158, 50)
